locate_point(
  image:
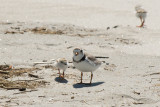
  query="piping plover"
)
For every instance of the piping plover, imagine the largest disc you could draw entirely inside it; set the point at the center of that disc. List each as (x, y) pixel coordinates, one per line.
(85, 62)
(141, 13)
(61, 64)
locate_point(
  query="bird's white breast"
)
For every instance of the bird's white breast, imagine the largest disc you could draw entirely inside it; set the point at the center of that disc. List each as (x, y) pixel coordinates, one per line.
(61, 66)
(85, 66)
(143, 15)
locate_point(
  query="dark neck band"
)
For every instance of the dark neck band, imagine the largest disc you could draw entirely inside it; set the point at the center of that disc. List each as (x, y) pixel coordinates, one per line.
(82, 59)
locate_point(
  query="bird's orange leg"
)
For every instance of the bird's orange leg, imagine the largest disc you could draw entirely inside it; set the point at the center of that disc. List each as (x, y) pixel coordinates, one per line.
(59, 72)
(81, 77)
(91, 77)
(62, 75)
(141, 22)
(141, 19)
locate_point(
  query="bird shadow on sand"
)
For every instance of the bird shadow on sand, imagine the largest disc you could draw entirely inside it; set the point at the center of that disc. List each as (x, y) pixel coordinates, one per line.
(78, 85)
(61, 80)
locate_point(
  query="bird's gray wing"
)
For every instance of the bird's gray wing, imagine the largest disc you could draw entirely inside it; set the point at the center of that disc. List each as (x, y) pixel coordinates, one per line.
(92, 59)
(141, 11)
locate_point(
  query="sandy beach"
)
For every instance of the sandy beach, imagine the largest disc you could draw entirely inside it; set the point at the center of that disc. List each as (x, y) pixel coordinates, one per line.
(41, 30)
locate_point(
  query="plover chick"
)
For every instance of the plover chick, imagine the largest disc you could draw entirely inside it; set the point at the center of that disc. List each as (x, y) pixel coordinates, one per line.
(85, 62)
(61, 64)
(141, 13)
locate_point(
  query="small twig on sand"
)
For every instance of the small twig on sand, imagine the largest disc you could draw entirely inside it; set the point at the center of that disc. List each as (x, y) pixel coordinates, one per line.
(70, 62)
(32, 75)
(155, 73)
(136, 103)
(83, 101)
(100, 90)
(69, 47)
(29, 80)
(4, 72)
(11, 88)
(35, 63)
(25, 91)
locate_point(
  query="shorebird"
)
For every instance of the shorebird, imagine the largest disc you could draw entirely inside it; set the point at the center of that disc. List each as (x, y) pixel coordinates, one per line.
(60, 64)
(85, 62)
(141, 13)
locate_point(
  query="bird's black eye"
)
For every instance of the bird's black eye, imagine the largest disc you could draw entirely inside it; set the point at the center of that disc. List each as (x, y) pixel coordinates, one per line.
(82, 51)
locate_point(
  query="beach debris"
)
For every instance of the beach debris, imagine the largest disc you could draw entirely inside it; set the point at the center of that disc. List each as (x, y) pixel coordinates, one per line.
(127, 41)
(136, 103)
(13, 32)
(46, 64)
(100, 90)
(15, 27)
(156, 73)
(151, 66)
(5, 67)
(138, 93)
(108, 28)
(151, 74)
(4, 72)
(44, 30)
(5, 23)
(32, 75)
(42, 96)
(60, 29)
(69, 47)
(21, 85)
(22, 89)
(64, 94)
(72, 97)
(115, 26)
(36, 63)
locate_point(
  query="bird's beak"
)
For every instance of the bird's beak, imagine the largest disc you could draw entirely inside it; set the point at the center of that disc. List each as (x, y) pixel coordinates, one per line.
(76, 53)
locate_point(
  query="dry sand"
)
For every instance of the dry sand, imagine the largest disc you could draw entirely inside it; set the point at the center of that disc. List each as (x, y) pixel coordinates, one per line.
(37, 30)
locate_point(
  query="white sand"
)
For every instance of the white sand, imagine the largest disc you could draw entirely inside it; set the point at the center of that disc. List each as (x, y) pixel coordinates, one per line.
(133, 53)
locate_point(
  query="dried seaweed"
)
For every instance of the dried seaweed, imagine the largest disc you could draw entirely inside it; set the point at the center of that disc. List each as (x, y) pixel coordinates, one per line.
(20, 84)
(5, 67)
(43, 30)
(10, 85)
